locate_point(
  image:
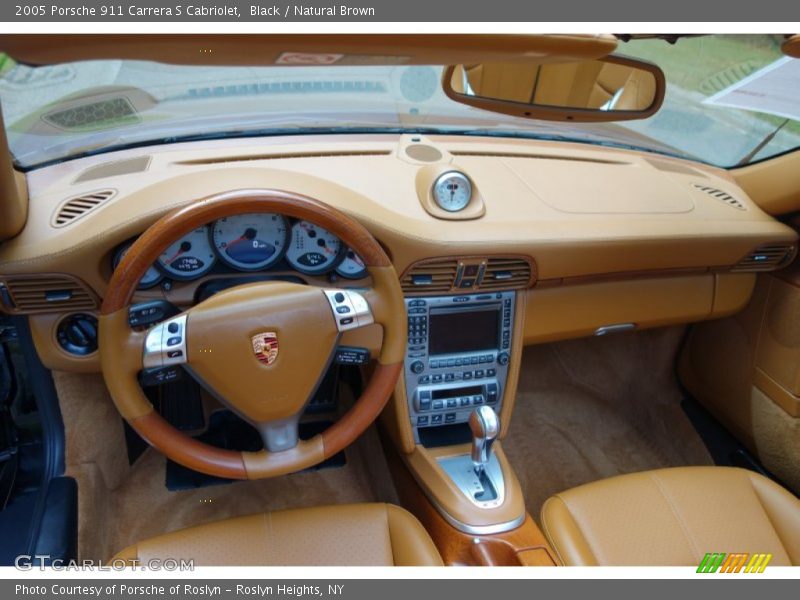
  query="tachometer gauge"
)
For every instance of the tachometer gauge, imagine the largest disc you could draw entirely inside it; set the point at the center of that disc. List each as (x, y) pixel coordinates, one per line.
(312, 250)
(189, 257)
(250, 242)
(351, 267)
(151, 277)
(452, 191)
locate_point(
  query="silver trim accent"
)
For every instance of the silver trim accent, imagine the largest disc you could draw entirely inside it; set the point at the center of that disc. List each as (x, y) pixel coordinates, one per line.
(618, 328)
(462, 471)
(358, 311)
(156, 351)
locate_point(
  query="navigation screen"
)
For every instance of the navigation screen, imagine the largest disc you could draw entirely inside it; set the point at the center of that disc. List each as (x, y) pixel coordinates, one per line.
(453, 330)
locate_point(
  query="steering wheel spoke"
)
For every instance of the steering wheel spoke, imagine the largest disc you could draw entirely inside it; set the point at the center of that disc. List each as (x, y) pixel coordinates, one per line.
(280, 435)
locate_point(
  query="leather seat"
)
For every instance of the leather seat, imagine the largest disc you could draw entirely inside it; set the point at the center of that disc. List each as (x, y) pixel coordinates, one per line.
(673, 517)
(354, 534)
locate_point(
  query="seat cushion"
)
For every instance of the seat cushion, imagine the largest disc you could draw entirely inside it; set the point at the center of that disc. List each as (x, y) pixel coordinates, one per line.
(673, 517)
(353, 534)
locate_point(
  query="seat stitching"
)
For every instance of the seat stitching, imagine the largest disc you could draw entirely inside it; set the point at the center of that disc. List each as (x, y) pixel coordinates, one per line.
(596, 549)
(389, 530)
(673, 507)
(761, 504)
(547, 533)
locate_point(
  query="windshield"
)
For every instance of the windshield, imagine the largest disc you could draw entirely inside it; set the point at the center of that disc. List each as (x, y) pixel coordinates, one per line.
(58, 112)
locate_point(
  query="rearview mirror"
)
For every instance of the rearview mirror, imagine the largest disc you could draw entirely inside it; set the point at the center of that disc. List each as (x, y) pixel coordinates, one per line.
(614, 88)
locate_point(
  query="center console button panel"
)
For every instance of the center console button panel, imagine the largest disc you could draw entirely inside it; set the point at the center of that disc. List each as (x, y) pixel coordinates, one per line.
(457, 357)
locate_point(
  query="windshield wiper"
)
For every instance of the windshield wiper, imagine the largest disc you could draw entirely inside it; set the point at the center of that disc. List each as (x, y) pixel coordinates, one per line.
(760, 146)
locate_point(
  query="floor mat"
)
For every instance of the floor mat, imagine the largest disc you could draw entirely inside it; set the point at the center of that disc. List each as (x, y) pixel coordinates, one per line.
(593, 408)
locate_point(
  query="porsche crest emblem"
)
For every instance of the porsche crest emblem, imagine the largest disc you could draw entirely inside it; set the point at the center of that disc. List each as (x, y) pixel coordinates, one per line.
(265, 347)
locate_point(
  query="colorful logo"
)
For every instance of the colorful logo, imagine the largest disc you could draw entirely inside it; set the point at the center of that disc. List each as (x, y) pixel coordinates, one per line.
(265, 347)
(719, 562)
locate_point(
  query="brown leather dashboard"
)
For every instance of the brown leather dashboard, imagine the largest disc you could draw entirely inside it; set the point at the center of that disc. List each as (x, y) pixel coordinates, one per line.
(601, 228)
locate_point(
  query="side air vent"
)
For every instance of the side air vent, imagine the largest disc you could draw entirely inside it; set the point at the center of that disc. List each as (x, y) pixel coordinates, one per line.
(720, 195)
(430, 276)
(505, 273)
(26, 294)
(468, 274)
(73, 209)
(767, 258)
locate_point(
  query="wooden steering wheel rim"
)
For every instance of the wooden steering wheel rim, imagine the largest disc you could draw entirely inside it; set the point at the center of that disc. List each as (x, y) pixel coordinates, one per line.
(121, 348)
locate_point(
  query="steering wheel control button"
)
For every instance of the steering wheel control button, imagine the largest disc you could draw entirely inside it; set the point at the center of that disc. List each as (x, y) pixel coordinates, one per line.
(350, 355)
(153, 377)
(145, 314)
(352, 304)
(162, 347)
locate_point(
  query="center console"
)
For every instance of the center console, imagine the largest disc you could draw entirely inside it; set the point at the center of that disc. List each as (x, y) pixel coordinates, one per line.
(457, 359)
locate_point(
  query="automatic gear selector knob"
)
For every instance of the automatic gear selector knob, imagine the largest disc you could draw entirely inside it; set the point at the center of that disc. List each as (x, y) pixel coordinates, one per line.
(485, 426)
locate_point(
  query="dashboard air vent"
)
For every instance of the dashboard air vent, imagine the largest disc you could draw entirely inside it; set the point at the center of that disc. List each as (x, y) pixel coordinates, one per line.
(767, 258)
(55, 292)
(720, 195)
(445, 275)
(504, 273)
(430, 276)
(73, 209)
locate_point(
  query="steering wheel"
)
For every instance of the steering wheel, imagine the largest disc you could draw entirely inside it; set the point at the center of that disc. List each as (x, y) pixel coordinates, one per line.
(260, 348)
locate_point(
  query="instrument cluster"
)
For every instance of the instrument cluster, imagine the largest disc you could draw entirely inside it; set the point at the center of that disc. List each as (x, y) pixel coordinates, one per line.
(252, 242)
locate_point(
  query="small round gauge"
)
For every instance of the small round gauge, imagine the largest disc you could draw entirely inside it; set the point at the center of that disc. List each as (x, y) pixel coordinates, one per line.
(352, 267)
(312, 250)
(452, 191)
(250, 242)
(189, 257)
(151, 277)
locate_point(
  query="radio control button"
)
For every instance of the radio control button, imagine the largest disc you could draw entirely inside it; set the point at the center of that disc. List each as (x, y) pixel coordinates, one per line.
(436, 419)
(424, 404)
(438, 404)
(465, 401)
(450, 418)
(417, 367)
(437, 378)
(502, 358)
(423, 379)
(459, 362)
(422, 420)
(449, 376)
(491, 372)
(467, 375)
(478, 373)
(452, 403)
(451, 362)
(434, 364)
(477, 399)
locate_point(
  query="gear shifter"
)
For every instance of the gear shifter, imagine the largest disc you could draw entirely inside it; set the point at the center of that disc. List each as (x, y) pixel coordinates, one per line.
(485, 427)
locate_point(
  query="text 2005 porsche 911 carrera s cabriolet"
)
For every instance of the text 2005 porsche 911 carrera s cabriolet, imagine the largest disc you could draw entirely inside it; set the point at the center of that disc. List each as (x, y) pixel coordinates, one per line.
(400, 300)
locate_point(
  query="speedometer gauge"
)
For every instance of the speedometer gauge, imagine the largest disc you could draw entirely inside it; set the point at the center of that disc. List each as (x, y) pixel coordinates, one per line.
(452, 191)
(250, 242)
(351, 267)
(312, 250)
(189, 257)
(151, 277)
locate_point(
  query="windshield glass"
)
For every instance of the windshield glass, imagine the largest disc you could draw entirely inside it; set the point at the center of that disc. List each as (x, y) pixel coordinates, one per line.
(63, 111)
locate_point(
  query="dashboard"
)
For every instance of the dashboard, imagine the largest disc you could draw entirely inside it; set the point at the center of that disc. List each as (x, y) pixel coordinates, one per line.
(586, 237)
